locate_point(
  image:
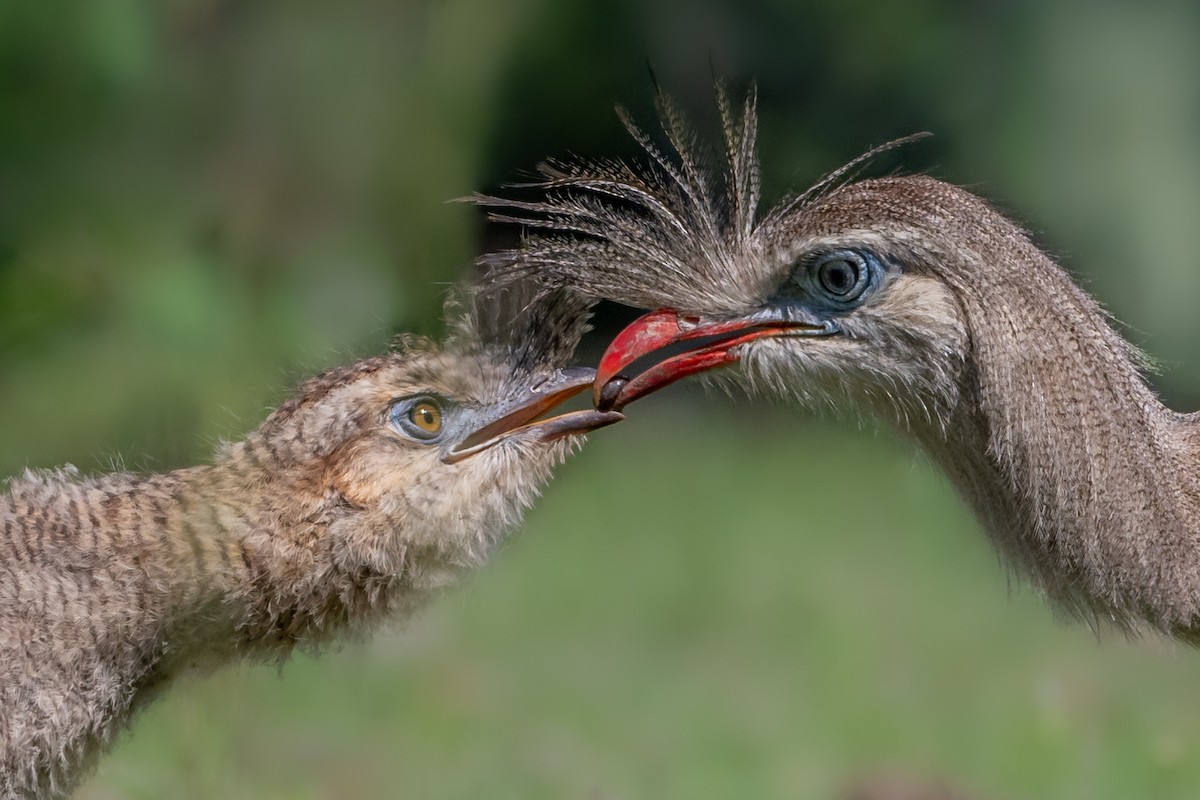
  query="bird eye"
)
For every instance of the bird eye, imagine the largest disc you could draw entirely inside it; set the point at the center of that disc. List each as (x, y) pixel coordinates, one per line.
(426, 416)
(841, 277)
(418, 417)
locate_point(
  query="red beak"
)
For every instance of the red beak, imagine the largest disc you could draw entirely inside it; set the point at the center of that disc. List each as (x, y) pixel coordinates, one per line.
(712, 344)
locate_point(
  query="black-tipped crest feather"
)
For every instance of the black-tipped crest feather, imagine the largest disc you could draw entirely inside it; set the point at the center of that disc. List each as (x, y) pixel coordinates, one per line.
(674, 231)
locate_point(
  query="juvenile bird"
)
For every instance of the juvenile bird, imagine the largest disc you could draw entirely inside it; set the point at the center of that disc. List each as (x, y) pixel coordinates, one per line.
(904, 298)
(373, 487)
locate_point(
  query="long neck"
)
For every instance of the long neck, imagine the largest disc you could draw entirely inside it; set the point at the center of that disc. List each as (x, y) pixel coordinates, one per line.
(110, 587)
(1075, 468)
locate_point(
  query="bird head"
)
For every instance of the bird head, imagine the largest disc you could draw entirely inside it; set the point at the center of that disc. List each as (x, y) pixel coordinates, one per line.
(850, 294)
(434, 446)
(846, 301)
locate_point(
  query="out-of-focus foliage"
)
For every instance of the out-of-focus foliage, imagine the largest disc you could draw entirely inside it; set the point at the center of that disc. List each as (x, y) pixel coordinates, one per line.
(203, 200)
(199, 198)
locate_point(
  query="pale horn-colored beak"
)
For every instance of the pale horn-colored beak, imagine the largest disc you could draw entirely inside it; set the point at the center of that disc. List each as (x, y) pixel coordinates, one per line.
(707, 343)
(520, 415)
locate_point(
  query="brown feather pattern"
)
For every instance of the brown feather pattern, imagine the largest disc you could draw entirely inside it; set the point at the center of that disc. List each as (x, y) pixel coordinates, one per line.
(320, 522)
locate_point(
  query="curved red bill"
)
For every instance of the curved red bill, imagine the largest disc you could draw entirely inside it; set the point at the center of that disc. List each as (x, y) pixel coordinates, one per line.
(714, 342)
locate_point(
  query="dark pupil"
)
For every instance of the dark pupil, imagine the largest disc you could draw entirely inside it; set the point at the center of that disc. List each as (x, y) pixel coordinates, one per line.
(426, 415)
(838, 277)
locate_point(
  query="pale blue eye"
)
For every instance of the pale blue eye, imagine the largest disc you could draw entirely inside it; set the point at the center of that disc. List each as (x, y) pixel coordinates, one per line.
(842, 278)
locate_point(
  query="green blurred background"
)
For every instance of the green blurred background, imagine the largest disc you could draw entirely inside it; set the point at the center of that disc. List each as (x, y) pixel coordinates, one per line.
(203, 200)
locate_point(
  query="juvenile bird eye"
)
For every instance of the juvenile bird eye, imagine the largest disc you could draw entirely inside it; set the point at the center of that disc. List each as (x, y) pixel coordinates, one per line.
(426, 416)
(420, 418)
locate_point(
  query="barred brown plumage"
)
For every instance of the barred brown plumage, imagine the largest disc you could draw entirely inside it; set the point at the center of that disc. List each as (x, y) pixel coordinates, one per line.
(334, 514)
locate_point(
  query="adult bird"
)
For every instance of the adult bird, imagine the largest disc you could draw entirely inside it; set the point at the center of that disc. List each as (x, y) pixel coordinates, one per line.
(913, 301)
(373, 487)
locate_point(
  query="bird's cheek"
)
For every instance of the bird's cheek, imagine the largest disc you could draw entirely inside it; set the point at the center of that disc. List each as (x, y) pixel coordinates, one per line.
(363, 476)
(781, 350)
(358, 489)
(782, 362)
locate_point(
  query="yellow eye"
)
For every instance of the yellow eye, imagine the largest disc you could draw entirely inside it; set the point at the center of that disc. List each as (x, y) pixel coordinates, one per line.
(426, 416)
(420, 418)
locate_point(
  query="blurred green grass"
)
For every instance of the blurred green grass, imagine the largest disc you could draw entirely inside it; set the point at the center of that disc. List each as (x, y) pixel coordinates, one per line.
(718, 603)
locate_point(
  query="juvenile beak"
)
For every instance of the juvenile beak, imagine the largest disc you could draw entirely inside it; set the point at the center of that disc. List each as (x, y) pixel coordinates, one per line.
(706, 344)
(520, 415)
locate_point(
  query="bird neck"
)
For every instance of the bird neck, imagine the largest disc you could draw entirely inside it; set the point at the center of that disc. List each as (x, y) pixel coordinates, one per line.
(1078, 472)
(119, 583)
(200, 565)
(260, 555)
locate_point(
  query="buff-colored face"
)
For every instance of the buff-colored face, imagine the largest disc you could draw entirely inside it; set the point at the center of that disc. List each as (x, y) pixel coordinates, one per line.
(438, 445)
(450, 430)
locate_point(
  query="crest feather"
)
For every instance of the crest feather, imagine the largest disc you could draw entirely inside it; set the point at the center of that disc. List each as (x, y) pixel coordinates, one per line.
(677, 230)
(535, 328)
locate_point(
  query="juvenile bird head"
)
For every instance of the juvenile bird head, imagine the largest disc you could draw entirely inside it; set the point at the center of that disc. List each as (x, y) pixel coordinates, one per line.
(411, 465)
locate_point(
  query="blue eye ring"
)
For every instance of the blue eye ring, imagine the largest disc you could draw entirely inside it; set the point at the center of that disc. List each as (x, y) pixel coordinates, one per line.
(421, 418)
(841, 278)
